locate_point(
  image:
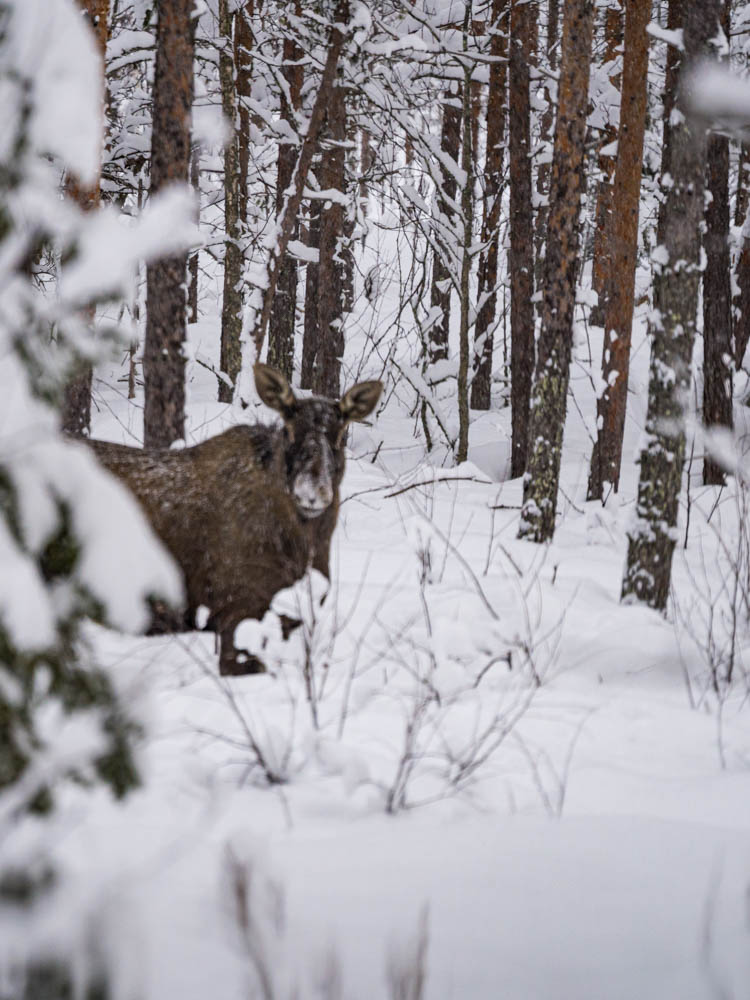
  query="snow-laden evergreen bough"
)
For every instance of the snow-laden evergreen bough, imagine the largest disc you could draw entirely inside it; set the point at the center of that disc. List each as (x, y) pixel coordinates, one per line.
(74, 544)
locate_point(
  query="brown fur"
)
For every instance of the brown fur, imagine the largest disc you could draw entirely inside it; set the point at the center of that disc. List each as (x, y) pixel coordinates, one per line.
(225, 510)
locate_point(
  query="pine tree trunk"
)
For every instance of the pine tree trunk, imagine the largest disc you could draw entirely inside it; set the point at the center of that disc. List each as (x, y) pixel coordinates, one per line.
(546, 124)
(243, 62)
(311, 336)
(481, 385)
(675, 18)
(551, 374)
(286, 221)
(194, 259)
(231, 309)
(467, 213)
(718, 355)
(75, 410)
(741, 301)
(366, 164)
(672, 328)
(607, 165)
(521, 257)
(743, 188)
(327, 367)
(742, 298)
(283, 311)
(163, 356)
(622, 241)
(443, 235)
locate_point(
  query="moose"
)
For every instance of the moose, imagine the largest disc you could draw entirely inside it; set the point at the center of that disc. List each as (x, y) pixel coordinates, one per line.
(247, 512)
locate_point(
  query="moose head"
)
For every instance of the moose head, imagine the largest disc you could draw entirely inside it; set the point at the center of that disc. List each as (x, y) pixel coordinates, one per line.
(315, 433)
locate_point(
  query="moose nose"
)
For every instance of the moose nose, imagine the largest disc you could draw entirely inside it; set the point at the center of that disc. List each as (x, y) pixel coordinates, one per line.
(312, 496)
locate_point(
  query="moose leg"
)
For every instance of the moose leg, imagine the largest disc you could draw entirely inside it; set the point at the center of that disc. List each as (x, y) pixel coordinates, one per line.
(235, 662)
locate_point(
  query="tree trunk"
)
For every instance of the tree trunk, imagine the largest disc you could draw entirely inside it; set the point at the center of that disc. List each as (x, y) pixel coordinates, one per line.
(672, 327)
(622, 242)
(163, 356)
(718, 356)
(444, 236)
(194, 259)
(546, 124)
(742, 299)
(607, 165)
(521, 258)
(231, 309)
(243, 62)
(743, 189)
(366, 164)
(75, 411)
(288, 217)
(467, 213)
(311, 337)
(327, 367)
(552, 370)
(481, 386)
(283, 311)
(675, 19)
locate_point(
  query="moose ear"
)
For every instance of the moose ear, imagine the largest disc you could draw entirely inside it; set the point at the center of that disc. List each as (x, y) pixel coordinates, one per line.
(360, 400)
(273, 388)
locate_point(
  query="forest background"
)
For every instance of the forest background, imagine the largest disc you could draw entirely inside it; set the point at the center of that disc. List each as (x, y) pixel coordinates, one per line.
(528, 219)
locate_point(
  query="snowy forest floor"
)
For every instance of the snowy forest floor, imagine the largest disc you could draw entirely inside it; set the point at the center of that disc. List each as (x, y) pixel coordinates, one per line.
(502, 774)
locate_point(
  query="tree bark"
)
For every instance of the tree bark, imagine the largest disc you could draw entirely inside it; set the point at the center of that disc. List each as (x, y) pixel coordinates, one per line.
(283, 311)
(467, 214)
(243, 62)
(231, 309)
(546, 125)
(551, 374)
(327, 366)
(75, 410)
(521, 258)
(194, 259)
(718, 355)
(675, 19)
(672, 327)
(285, 223)
(607, 165)
(622, 243)
(444, 235)
(481, 386)
(311, 336)
(163, 356)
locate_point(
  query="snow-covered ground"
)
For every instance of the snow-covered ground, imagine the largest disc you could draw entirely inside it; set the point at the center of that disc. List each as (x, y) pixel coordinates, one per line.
(502, 774)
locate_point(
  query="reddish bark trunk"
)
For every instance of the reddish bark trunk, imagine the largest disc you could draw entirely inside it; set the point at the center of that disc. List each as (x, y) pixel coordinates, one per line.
(552, 372)
(622, 243)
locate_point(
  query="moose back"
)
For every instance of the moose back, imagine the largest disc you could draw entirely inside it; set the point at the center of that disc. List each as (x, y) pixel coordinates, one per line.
(245, 513)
